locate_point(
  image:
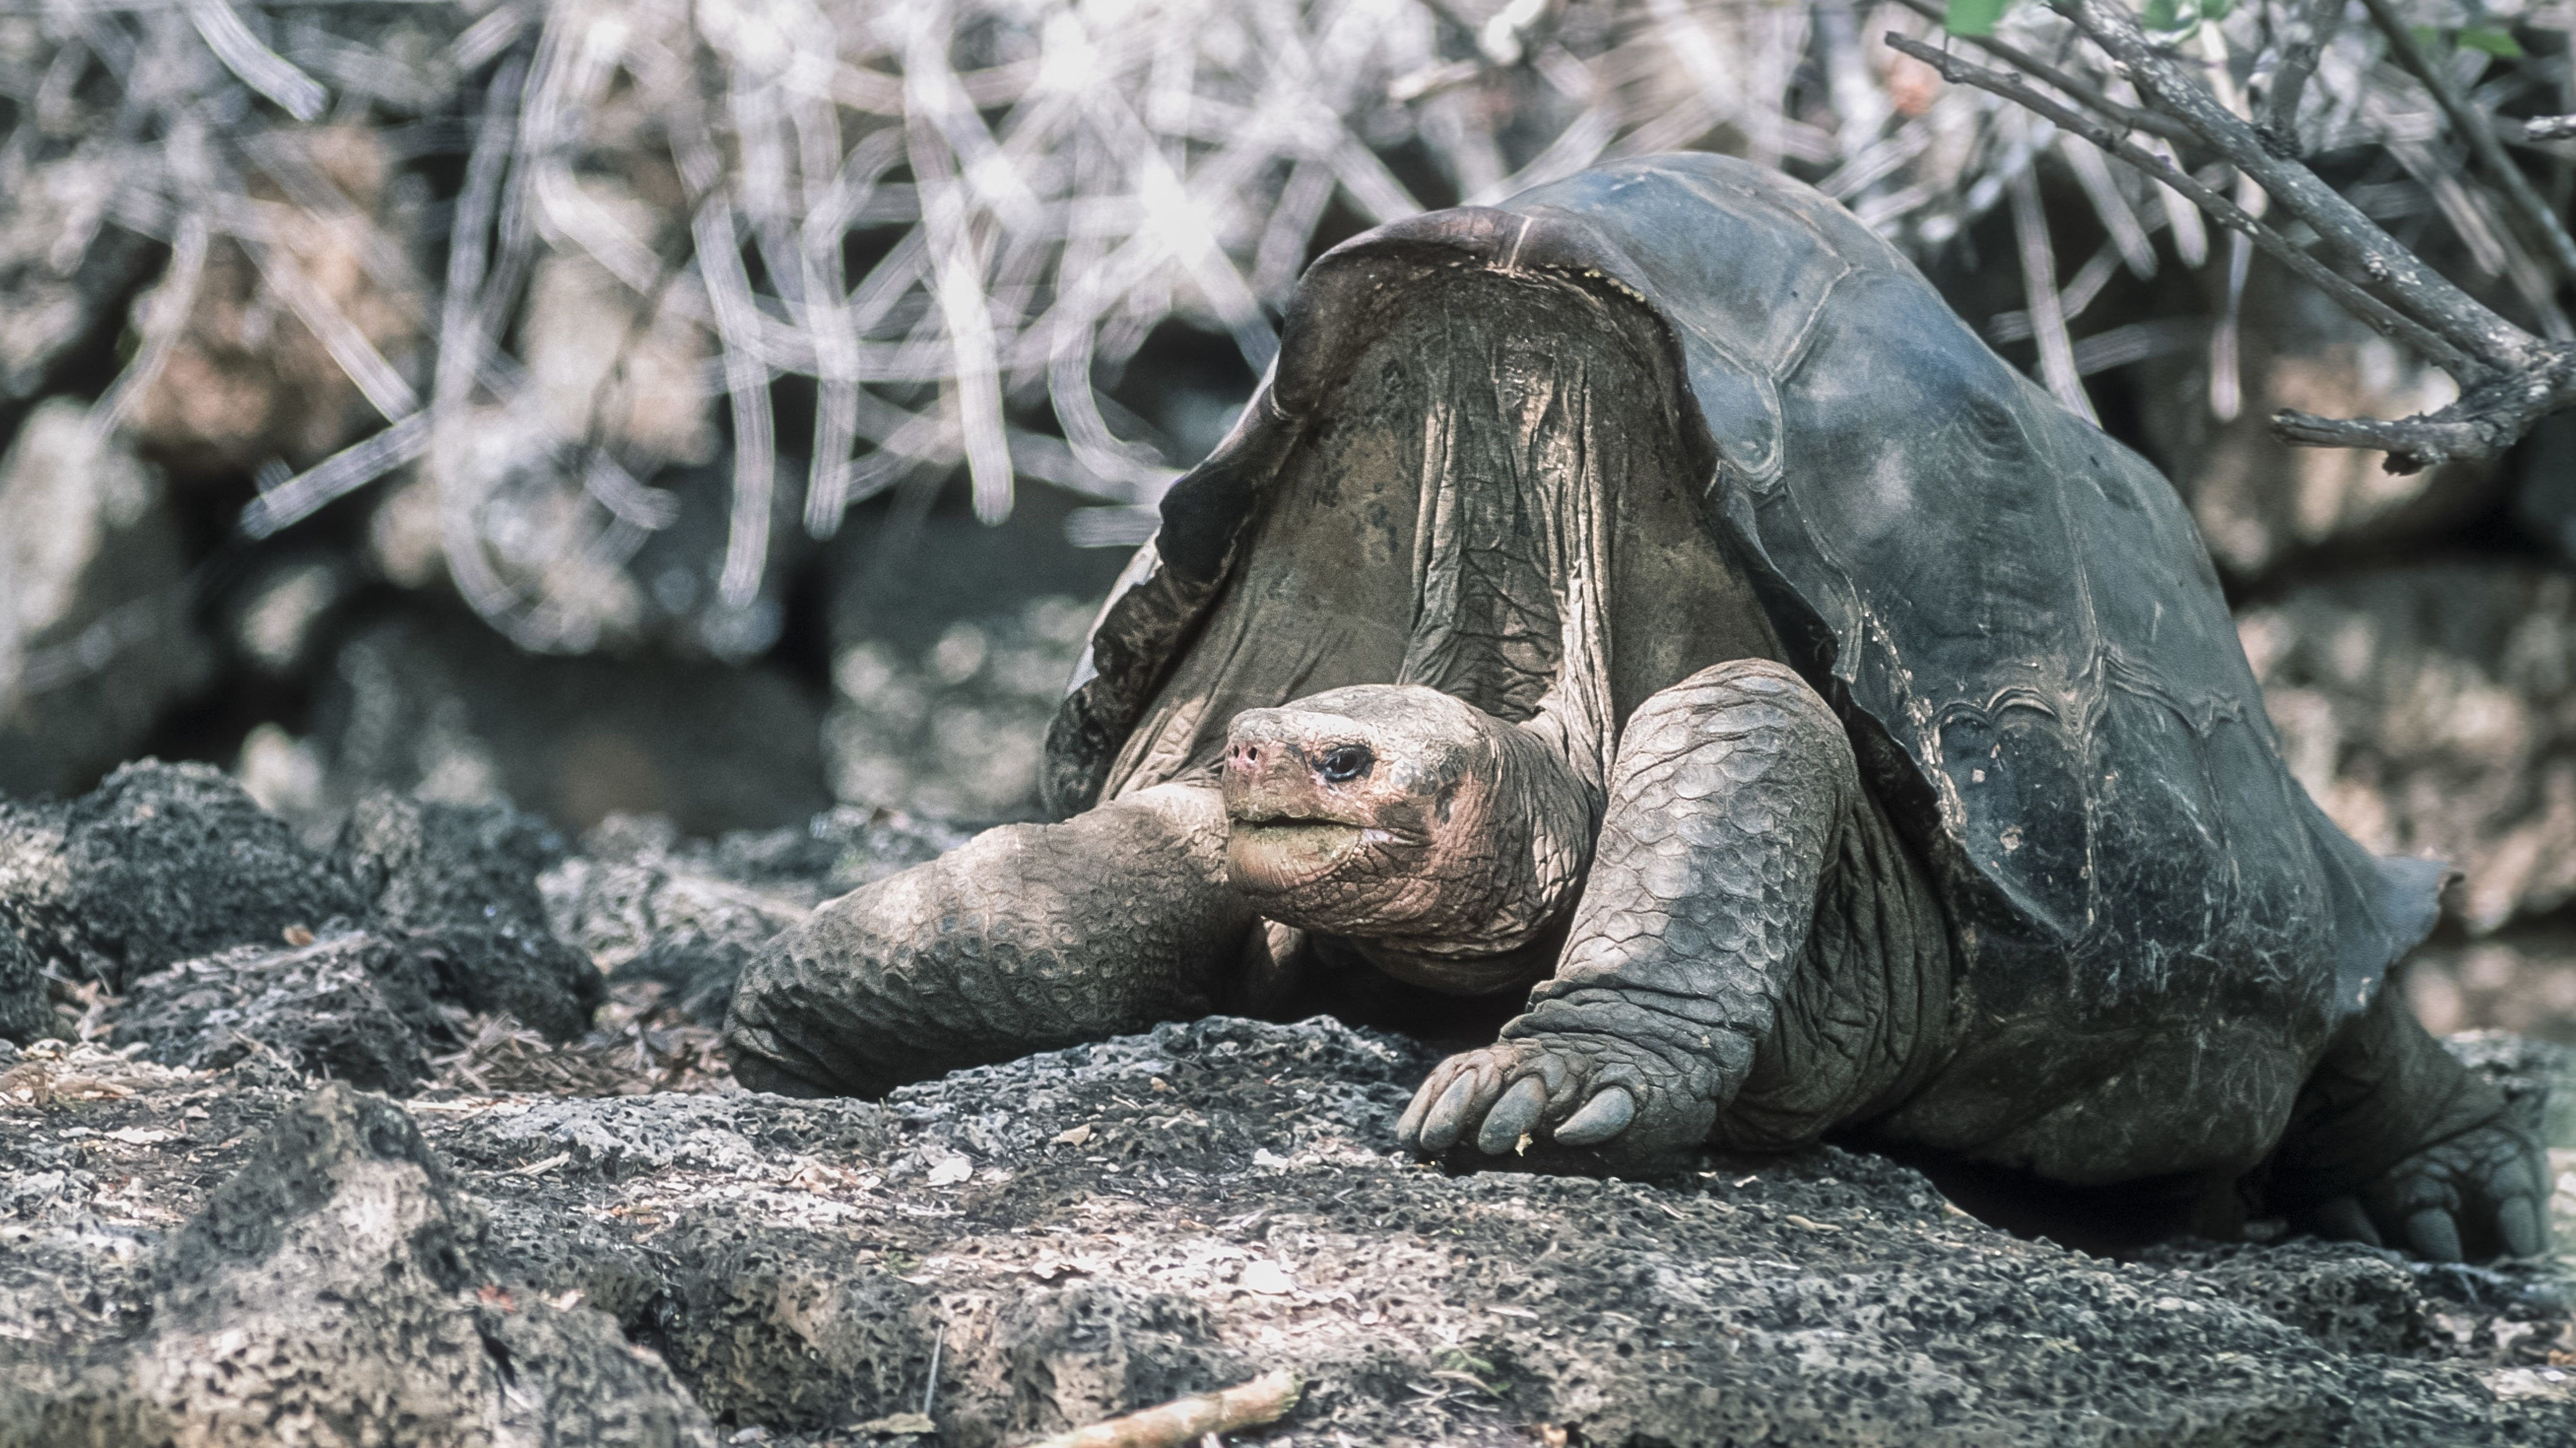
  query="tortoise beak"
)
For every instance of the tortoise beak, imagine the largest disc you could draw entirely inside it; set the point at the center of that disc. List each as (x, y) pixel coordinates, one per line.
(1290, 827)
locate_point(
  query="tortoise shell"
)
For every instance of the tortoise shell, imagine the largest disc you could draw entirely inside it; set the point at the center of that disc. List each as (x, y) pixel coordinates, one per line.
(2011, 612)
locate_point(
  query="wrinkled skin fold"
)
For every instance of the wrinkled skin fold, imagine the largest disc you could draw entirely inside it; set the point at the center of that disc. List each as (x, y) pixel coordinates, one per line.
(1645, 603)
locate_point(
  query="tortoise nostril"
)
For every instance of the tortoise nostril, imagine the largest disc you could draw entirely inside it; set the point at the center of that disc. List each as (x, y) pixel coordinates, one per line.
(1346, 762)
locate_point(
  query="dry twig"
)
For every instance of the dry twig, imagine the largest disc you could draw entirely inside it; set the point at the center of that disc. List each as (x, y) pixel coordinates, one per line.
(950, 226)
(1265, 1399)
(2509, 378)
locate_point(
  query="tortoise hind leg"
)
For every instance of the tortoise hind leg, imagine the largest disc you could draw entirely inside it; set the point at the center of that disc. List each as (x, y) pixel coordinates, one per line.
(2394, 1142)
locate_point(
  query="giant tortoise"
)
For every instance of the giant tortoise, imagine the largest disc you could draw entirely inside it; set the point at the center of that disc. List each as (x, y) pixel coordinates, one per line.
(1646, 604)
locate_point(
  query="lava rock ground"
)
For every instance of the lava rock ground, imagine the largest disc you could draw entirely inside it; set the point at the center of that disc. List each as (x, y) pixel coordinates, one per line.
(1092, 1230)
(544, 1242)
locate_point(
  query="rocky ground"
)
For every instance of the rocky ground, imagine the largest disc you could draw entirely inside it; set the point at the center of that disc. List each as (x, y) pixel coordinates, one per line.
(209, 1234)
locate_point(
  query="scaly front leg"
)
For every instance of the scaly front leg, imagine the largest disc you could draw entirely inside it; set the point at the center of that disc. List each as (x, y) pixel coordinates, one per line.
(1025, 938)
(1724, 803)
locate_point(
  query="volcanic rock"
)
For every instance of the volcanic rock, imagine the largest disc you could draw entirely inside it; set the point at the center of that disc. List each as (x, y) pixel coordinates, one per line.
(464, 878)
(332, 1291)
(159, 864)
(95, 638)
(352, 1008)
(686, 916)
(1094, 1230)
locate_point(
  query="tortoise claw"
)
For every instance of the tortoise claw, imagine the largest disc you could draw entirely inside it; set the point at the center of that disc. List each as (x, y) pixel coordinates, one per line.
(1513, 1117)
(1408, 1128)
(2433, 1235)
(1509, 1095)
(2475, 1194)
(2342, 1219)
(1603, 1117)
(1447, 1120)
(2518, 1222)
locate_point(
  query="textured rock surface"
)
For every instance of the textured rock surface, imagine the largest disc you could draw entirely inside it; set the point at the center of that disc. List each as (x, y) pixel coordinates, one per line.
(686, 917)
(200, 1253)
(1102, 1228)
(161, 863)
(95, 638)
(465, 878)
(169, 881)
(2432, 711)
(331, 1292)
(26, 1008)
(354, 1008)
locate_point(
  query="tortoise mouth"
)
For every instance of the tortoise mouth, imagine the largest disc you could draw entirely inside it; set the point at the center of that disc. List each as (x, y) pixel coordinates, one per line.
(1281, 853)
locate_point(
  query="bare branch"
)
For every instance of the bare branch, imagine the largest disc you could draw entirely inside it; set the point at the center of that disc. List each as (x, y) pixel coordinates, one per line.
(2412, 286)
(2482, 424)
(2362, 304)
(2299, 54)
(2549, 128)
(262, 69)
(2479, 135)
(2506, 385)
(2039, 284)
(2091, 95)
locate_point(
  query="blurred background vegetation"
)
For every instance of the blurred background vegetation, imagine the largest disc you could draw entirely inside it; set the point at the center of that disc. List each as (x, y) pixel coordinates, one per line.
(722, 410)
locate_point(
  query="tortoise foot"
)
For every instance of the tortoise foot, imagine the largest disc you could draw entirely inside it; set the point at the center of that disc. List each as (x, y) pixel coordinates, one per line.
(1591, 1091)
(754, 1074)
(2479, 1192)
(2397, 1144)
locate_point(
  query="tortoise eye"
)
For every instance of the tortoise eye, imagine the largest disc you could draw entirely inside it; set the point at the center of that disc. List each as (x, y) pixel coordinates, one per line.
(1346, 762)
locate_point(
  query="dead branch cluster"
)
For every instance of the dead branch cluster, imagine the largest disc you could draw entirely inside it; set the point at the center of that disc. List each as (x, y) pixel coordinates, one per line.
(2235, 150)
(549, 255)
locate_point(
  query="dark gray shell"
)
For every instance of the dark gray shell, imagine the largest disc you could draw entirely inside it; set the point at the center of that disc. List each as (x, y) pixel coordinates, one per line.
(2011, 611)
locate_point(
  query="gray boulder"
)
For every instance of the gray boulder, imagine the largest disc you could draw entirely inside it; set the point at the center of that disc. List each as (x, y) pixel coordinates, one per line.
(2431, 711)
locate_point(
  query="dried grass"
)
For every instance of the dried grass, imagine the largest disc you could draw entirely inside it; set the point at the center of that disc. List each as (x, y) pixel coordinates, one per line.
(634, 1048)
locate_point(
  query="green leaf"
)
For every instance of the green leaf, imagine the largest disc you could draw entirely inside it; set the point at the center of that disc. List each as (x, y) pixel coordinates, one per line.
(2216, 9)
(2495, 42)
(1974, 17)
(2169, 15)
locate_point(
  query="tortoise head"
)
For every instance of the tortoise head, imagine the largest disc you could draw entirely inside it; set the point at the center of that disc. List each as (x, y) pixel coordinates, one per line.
(1394, 812)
